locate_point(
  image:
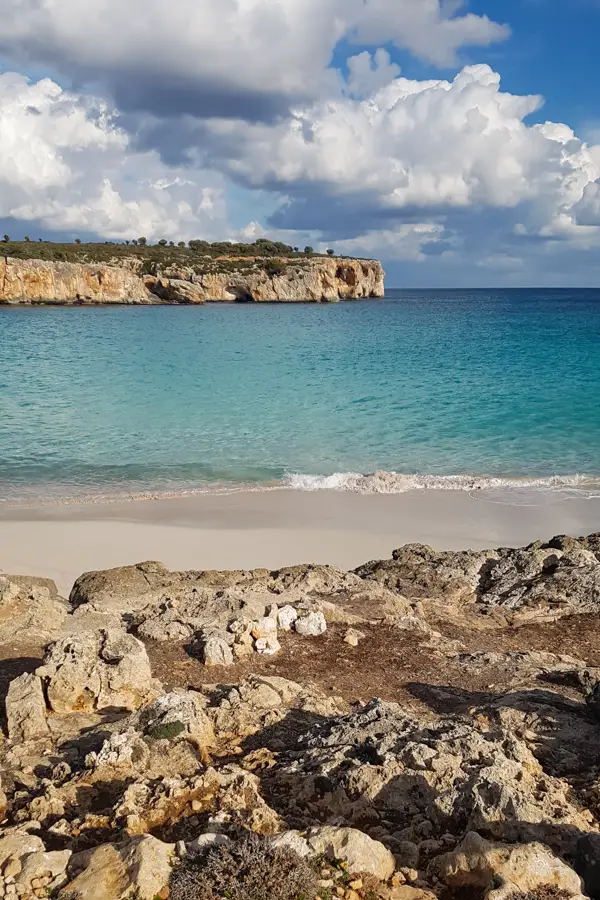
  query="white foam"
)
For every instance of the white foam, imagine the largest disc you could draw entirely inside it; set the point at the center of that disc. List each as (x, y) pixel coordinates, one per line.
(397, 483)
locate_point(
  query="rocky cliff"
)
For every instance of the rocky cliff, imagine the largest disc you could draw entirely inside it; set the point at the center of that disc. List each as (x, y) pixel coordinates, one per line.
(316, 279)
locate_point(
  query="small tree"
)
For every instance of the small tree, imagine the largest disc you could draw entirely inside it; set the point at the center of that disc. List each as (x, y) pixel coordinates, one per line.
(127, 242)
(181, 244)
(308, 251)
(330, 252)
(27, 238)
(134, 242)
(162, 243)
(296, 250)
(171, 243)
(77, 240)
(142, 241)
(6, 238)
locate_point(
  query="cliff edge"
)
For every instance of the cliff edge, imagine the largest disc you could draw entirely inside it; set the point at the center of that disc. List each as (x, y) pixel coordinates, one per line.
(132, 281)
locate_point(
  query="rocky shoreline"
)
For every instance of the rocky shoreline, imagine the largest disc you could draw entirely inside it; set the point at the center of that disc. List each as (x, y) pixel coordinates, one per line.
(135, 281)
(426, 726)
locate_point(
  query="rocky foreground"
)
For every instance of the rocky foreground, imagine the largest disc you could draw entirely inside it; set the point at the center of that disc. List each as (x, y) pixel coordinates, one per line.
(134, 281)
(426, 726)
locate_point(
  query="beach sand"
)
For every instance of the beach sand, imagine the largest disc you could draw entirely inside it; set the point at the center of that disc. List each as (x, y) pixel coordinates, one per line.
(275, 528)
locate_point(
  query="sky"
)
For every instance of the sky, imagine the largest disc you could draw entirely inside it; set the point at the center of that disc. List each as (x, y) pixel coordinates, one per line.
(457, 142)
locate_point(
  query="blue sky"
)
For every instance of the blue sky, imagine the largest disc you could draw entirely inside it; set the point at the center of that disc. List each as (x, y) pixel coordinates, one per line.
(392, 128)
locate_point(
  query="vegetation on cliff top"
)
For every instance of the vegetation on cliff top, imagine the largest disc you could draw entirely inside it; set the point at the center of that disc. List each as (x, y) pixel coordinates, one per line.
(162, 254)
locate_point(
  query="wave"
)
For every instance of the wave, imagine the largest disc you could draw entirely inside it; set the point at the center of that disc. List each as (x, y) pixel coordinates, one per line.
(397, 483)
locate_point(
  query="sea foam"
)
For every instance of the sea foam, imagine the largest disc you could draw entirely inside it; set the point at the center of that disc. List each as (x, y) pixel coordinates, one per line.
(397, 483)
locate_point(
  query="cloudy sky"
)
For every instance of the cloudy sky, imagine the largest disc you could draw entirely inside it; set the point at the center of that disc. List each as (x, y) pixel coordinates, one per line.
(459, 143)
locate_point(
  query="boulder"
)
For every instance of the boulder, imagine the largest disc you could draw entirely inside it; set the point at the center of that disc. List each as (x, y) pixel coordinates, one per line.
(504, 869)
(360, 852)
(43, 870)
(97, 670)
(217, 652)
(140, 868)
(286, 616)
(26, 709)
(30, 609)
(18, 845)
(311, 625)
(179, 715)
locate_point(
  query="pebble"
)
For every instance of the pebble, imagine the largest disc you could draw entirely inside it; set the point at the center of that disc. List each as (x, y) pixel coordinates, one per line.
(353, 637)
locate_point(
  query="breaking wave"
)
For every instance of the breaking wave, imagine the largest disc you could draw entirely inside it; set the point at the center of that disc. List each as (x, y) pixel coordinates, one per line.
(397, 483)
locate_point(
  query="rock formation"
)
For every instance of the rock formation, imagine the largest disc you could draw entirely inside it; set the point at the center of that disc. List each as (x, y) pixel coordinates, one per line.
(475, 775)
(317, 279)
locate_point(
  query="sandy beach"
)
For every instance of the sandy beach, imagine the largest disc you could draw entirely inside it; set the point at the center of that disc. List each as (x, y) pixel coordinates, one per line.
(276, 528)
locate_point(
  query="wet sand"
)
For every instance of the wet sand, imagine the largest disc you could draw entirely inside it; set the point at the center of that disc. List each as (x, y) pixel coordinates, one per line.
(276, 528)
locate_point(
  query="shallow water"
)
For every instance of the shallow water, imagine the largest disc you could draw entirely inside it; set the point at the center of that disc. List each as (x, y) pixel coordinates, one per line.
(480, 384)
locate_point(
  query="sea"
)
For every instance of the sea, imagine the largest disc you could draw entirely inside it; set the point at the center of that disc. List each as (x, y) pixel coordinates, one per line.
(493, 390)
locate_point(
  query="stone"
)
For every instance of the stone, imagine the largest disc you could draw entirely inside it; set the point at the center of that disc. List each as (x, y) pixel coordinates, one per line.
(179, 708)
(293, 840)
(216, 652)
(360, 852)
(40, 866)
(268, 646)
(97, 670)
(26, 709)
(140, 867)
(264, 628)
(30, 607)
(311, 625)
(505, 869)
(18, 845)
(286, 616)
(353, 637)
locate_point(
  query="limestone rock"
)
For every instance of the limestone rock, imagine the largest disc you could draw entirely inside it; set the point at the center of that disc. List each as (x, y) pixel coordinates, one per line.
(505, 869)
(311, 625)
(184, 710)
(26, 709)
(41, 866)
(98, 670)
(30, 609)
(358, 850)
(217, 652)
(286, 616)
(140, 867)
(353, 637)
(317, 279)
(18, 845)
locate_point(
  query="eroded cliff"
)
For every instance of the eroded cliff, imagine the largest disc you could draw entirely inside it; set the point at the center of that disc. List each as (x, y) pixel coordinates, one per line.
(24, 281)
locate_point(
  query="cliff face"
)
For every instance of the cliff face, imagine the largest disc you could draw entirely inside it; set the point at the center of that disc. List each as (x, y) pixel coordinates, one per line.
(318, 279)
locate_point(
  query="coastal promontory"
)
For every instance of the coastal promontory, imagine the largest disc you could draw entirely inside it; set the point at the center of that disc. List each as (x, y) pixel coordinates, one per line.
(118, 274)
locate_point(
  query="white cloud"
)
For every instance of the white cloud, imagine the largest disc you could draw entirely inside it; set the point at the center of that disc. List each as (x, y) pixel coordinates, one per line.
(64, 161)
(244, 57)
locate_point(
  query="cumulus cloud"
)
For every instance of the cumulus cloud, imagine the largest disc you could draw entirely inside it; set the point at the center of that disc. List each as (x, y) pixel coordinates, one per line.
(414, 151)
(247, 58)
(65, 162)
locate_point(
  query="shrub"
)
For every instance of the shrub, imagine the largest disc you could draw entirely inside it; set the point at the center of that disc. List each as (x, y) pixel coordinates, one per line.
(167, 732)
(275, 267)
(250, 869)
(330, 252)
(309, 251)
(142, 241)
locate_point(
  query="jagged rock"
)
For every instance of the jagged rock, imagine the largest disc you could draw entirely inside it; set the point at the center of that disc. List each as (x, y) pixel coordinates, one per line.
(311, 625)
(429, 780)
(540, 581)
(18, 845)
(48, 870)
(217, 652)
(30, 609)
(126, 748)
(26, 709)
(140, 867)
(286, 616)
(259, 702)
(503, 869)
(97, 670)
(268, 646)
(184, 710)
(358, 850)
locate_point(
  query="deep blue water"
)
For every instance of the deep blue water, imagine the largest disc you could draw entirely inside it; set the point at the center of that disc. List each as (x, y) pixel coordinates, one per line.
(435, 383)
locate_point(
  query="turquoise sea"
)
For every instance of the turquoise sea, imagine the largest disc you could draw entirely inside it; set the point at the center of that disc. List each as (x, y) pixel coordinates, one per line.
(443, 388)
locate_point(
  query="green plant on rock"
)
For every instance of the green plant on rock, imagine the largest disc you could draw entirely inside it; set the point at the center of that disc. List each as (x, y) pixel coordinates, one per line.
(167, 732)
(250, 869)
